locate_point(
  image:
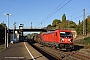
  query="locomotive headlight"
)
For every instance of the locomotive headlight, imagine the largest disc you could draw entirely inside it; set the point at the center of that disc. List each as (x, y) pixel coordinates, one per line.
(62, 39)
(69, 40)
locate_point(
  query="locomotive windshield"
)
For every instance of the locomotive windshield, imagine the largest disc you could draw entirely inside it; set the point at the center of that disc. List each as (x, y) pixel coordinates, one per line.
(65, 34)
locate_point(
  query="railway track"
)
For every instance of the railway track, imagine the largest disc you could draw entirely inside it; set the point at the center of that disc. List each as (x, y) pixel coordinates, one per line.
(78, 56)
(62, 55)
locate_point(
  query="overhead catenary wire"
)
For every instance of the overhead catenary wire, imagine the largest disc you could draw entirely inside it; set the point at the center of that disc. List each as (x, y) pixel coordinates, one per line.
(80, 16)
(55, 11)
(87, 8)
(75, 13)
(78, 12)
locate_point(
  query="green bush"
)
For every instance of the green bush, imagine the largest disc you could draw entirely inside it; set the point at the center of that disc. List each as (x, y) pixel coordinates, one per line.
(87, 41)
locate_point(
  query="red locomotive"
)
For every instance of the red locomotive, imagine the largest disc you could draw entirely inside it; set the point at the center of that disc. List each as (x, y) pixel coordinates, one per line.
(58, 38)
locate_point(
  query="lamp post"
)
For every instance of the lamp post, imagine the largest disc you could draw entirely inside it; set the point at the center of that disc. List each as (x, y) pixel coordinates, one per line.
(14, 28)
(21, 32)
(7, 25)
(31, 25)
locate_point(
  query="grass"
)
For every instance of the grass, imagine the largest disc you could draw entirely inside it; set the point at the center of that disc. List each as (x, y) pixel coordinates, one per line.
(1, 48)
(87, 41)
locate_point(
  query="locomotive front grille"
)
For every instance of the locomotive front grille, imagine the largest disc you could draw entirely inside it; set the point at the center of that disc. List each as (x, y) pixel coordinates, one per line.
(67, 46)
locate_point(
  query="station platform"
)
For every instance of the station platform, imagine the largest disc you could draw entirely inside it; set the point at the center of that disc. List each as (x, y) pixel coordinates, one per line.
(21, 51)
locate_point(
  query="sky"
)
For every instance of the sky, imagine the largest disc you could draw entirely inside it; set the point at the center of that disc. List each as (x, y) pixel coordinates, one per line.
(36, 11)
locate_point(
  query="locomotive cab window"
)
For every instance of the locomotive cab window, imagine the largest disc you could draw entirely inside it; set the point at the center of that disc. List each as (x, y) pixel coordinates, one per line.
(65, 34)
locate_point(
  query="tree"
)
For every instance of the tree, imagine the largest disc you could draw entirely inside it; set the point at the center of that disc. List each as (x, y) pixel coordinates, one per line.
(79, 21)
(55, 22)
(2, 32)
(2, 26)
(88, 23)
(64, 23)
(49, 27)
(79, 28)
(64, 18)
(71, 24)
